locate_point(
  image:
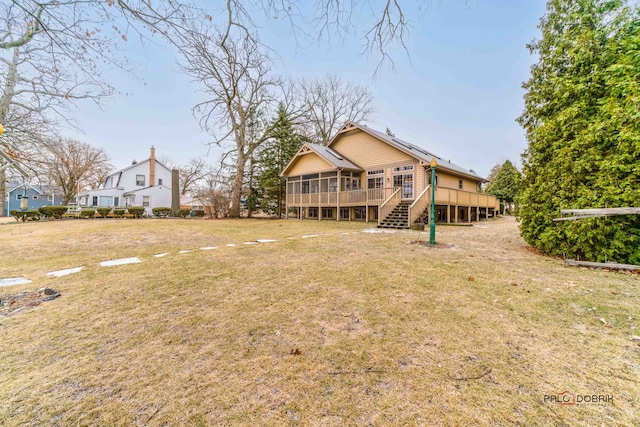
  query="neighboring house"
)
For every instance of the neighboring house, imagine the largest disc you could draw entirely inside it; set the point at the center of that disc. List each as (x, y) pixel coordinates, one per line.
(38, 195)
(364, 174)
(188, 202)
(146, 183)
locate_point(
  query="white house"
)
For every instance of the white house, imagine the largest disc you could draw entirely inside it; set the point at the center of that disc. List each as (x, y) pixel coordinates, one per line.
(146, 183)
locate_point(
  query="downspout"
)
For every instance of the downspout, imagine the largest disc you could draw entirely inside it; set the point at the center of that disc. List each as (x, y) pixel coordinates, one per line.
(338, 195)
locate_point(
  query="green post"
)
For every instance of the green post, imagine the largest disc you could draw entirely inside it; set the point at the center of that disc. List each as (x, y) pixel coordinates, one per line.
(432, 211)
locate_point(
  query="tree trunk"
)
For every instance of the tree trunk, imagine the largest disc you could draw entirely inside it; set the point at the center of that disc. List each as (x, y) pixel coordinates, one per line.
(3, 191)
(238, 181)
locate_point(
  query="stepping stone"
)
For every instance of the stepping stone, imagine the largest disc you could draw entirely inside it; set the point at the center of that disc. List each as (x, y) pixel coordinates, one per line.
(310, 235)
(208, 248)
(231, 245)
(11, 281)
(65, 272)
(121, 261)
(250, 243)
(266, 240)
(161, 255)
(185, 251)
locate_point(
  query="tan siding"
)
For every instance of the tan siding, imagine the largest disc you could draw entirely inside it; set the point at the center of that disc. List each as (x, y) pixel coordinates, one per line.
(419, 183)
(309, 163)
(367, 151)
(447, 180)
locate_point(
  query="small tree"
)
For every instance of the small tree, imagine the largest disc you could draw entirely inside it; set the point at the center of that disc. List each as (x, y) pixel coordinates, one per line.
(272, 159)
(504, 185)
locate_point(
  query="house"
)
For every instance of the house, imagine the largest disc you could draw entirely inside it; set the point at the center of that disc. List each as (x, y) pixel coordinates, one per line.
(367, 175)
(146, 183)
(38, 196)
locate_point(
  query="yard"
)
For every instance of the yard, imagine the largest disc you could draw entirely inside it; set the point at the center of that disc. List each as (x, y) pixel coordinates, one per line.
(339, 327)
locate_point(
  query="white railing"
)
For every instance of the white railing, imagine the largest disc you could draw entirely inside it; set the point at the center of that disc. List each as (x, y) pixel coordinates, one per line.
(389, 205)
(419, 205)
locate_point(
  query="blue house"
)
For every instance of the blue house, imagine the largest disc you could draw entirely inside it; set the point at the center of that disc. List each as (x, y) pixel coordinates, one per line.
(38, 195)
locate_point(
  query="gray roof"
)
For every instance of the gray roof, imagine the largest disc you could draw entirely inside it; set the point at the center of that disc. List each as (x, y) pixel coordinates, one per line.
(333, 157)
(418, 152)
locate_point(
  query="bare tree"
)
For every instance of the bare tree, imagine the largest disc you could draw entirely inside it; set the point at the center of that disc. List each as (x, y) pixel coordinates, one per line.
(329, 102)
(73, 164)
(236, 79)
(192, 173)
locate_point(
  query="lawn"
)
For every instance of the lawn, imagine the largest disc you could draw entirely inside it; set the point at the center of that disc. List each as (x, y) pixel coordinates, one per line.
(340, 328)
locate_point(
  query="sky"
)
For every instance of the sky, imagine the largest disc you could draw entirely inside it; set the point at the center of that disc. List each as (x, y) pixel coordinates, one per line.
(457, 94)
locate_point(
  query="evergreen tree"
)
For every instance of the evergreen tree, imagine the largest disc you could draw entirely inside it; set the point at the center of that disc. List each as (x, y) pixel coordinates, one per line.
(504, 184)
(275, 154)
(581, 121)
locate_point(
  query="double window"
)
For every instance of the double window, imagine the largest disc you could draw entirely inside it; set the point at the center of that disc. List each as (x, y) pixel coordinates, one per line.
(140, 180)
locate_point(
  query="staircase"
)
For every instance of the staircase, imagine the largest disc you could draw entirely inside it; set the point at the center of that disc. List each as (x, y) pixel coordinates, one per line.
(398, 218)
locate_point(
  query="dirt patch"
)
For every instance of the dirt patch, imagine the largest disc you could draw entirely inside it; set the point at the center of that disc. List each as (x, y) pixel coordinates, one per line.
(436, 246)
(15, 303)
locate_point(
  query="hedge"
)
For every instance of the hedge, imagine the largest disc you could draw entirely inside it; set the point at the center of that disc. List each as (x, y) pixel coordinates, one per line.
(184, 212)
(162, 212)
(31, 215)
(53, 211)
(88, 213)
(119, 213)
(103, 212)
(199, 213)
(136, 211)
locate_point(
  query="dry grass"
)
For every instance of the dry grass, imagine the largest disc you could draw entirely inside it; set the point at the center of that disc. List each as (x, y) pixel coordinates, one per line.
(388, 333)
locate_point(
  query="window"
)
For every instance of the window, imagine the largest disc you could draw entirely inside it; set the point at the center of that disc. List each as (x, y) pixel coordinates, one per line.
(159, 181)
(35, 197)
(116, 201)
(360, 213)
(377, 182)
(305, 187)
(327, 212)
(430, 178)
(312, 212)
(139, 179)
(145, 201)
(403, 168)
(94, 201)
(376, 172)
(460, 184)
(344, 213)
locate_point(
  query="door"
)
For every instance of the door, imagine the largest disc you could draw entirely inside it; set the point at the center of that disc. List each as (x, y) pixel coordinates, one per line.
(406, 183)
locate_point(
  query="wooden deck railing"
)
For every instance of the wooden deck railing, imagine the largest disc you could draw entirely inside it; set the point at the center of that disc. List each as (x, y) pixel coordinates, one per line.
(371, 196)
(388, 205)
(419, 205)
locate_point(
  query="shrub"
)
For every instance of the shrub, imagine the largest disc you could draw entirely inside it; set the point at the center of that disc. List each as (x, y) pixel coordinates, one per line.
(162, 212)
(136, 211)
(119, 213)
(183, 213)
(103, 212)
(53, 211)
(88, 213)
(32, 215)
(199, 213)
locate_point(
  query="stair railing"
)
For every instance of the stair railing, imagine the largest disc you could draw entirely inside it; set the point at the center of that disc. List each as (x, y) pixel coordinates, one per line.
(389, 205)
(419, 205)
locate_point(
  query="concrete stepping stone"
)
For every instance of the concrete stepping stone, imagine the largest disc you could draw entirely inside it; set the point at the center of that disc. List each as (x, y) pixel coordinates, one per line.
(266, 240)
(231, 245)
(186, 251)
(250, 243)
(208, 248)
(309, 235)
(161, 255)
(11, 281)
(121, 261)
(65, 272)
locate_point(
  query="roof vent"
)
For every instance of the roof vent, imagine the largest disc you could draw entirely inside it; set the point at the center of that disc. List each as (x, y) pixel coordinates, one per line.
(134, 162)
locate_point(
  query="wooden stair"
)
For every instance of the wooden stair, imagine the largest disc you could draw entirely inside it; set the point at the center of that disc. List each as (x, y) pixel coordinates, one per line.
(398, 218)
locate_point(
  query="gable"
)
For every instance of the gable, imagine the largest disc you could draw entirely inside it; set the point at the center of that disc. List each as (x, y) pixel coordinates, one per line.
(309, 163)
(367, 151)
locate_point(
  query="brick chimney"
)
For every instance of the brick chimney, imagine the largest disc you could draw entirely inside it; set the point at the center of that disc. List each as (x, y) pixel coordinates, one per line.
(152, 167)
